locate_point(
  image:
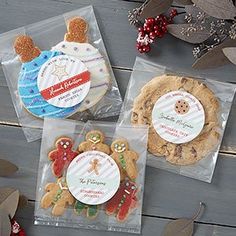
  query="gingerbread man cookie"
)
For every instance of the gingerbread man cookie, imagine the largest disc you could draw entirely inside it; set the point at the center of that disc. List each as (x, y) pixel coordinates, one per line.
(94, 142)
(91, 211)
(62, 155)
(77, 29)
(124, 201)
(75, 44)
(28, 89)
(57, 195)
(125, 159)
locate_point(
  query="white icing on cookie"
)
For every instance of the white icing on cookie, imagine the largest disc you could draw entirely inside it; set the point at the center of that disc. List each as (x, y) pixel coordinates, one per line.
(94, 61)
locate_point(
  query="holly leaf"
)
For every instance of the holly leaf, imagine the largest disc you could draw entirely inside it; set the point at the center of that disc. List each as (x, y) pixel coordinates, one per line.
(179, 31)
(214, 57)
(230, 53)
(7, 168)
(193, 10)
(183, 227)
(9, 199)
(184, 2)
(217, 8)
(5, 224)
(155, 7)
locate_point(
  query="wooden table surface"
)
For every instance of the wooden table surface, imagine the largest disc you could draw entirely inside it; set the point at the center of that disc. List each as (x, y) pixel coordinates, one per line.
(167, 195)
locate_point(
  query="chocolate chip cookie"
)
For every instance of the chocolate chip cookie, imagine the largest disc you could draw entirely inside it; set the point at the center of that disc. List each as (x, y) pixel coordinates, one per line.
(184, 153)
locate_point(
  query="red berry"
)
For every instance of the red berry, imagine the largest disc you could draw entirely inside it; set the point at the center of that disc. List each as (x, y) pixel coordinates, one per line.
(152, 35)
(165, 23)
(156, 27)
(150, 21)
(146, 48)
(147, 29)
(164, 29)
(140, 29)
(141, 50)
(174, 12)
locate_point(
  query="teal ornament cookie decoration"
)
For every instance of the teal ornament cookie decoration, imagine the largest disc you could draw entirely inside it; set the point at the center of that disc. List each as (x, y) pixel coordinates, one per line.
(28, 88)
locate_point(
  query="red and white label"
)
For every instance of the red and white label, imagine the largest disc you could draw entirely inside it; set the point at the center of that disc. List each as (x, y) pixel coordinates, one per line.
(64, 81)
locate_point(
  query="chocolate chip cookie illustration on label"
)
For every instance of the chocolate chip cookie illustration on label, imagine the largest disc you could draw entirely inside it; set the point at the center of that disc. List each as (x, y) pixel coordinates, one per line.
(181, 107)
(32, 62)
(93, 177)
(178, 117)
(76, 44)
(182, 114)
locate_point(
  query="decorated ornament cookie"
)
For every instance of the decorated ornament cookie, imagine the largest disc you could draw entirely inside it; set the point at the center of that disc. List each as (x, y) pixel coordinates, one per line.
(62, 155)
(124, 201)
(125, 159)
(94, 142)
(57, 196)
(75, 44)
(50, 84)
(91, 211)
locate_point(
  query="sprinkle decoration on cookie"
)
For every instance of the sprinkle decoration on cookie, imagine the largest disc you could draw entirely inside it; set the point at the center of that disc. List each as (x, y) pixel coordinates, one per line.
(124, 201)
(62, 155)
(152, 29)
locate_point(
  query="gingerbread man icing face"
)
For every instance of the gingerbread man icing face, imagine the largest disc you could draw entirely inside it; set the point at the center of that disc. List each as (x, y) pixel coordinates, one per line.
(94, 141)
(64, 144)
(120, 146)
(125, 159)
(95, 137)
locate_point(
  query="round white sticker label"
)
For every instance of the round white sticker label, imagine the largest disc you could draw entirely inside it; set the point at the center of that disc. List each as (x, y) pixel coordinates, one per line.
(64, 81)
(178, 117)
(93, 177)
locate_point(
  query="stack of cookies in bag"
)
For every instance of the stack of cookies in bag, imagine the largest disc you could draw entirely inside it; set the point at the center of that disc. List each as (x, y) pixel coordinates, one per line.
(91, 178)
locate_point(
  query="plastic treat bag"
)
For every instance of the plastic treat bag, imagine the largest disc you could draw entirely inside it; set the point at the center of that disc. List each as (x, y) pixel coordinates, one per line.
(70, 50)
(102, 187)
(186, 116)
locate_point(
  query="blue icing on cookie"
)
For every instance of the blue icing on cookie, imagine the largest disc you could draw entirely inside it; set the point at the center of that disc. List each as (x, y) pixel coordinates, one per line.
(29, 92)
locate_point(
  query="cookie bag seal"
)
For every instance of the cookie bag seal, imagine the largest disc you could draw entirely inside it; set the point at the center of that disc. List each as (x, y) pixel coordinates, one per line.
(103, 98)
(187, 116)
